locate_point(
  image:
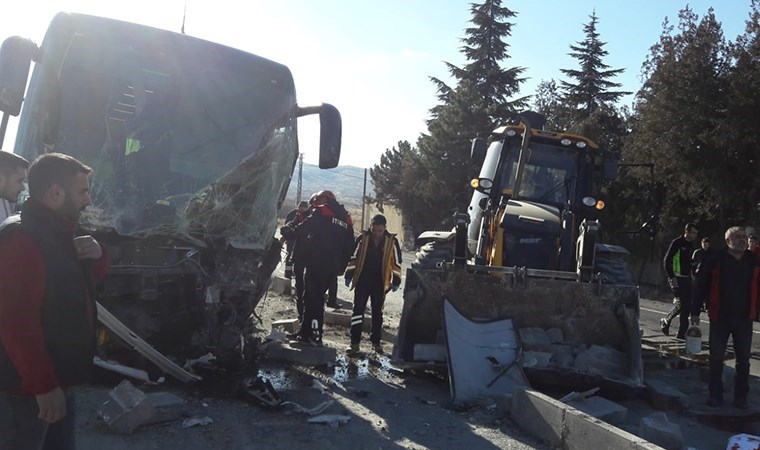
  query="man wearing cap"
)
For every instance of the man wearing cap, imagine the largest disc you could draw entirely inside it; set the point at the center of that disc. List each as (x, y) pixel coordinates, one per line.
(324, 242)
(374, 269)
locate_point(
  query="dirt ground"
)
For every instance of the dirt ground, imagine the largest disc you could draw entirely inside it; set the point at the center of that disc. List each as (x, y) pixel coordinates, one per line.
(387, 408)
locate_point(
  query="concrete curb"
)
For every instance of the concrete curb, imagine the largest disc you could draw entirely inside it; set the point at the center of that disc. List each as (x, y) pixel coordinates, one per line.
(565, 427)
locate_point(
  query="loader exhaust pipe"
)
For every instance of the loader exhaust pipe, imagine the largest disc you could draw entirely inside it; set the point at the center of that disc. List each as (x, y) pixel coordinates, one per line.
(523, 158)
(460, 245)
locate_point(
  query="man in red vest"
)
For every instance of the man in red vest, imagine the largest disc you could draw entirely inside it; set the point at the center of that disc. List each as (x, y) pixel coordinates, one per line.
(47, 305)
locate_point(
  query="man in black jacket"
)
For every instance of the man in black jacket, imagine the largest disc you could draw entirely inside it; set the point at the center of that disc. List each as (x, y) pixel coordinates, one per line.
(677, 264)
(730, 281)
(324, 242)
(47, 304)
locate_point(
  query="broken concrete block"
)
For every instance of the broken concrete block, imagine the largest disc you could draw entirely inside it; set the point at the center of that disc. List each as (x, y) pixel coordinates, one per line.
(304, 355)
(534, 338)
(555, 336)
(430, 352)
(286, 325)
(342, 318)
(602, 409)
(127, 408)
(536, 359)
(658, 430)
(579, 348)
(281, 285)
(664, 396)
(168, 407)
(604, 361)
(562, 355)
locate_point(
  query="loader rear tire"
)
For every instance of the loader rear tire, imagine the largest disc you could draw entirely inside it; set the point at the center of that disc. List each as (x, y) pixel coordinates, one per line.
(433, 253)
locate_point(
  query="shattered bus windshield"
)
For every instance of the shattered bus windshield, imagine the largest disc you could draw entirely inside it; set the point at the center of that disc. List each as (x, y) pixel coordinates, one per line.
(168, 125)
(548, 177)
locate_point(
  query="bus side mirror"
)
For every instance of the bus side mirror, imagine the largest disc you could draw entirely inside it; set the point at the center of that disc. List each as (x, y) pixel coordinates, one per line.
(16, 56)
(330, 131)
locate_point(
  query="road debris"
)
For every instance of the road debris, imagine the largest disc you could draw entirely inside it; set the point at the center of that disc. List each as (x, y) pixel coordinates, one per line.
(318, 409)
(334, 420)
(260, 391)
(127, 371)
(126, 409)
(575, 396)
(197, 420)
(316, 384)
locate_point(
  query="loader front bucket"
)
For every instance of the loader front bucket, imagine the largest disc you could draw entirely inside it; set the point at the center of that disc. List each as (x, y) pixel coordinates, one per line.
(573, 335)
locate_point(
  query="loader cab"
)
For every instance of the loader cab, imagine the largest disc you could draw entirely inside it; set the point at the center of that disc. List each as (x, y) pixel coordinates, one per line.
(560, 186)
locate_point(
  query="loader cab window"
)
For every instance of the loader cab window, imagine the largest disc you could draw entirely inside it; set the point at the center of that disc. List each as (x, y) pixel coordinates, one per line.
(549, 175)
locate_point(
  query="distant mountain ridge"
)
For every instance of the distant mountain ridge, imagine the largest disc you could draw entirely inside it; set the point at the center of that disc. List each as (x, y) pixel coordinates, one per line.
(346, 182)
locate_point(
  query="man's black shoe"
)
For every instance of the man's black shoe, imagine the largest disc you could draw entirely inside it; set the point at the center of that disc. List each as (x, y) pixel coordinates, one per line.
(741, 403)
(681, 337)
(334, 304)
(307, 341)
(714, 401)
(665, 327)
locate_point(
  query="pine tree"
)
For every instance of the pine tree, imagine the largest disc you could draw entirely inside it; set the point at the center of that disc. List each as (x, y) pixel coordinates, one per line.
(680, 120)
(743, 111)
(592, 88)
(485, 50)
(548, 102)
(481, 99)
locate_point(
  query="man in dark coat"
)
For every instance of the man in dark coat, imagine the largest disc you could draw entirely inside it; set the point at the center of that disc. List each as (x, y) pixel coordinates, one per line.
(324, 242)
(47, 304)
(731, 282)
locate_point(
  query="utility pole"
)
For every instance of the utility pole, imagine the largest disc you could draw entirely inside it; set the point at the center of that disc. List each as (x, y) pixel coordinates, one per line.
(364, 196)
(300, 179)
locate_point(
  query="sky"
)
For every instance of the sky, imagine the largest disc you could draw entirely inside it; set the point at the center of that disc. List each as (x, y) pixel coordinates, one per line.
(373, 60)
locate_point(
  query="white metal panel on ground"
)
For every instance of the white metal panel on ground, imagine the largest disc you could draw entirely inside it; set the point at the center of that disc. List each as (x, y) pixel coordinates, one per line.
(483, 356)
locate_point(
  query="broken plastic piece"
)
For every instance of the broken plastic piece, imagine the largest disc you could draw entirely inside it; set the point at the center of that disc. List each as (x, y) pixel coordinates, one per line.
(260, 392)
(310, 411)
(142, 347)
(334, 420)
(197, 420)
(574, 396)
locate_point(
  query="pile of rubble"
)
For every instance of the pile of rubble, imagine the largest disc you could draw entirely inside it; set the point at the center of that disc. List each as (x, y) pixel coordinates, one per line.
(548, 349)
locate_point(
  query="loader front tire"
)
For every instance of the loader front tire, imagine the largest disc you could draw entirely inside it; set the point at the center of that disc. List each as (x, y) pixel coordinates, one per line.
(610, 263)
(433, 253)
